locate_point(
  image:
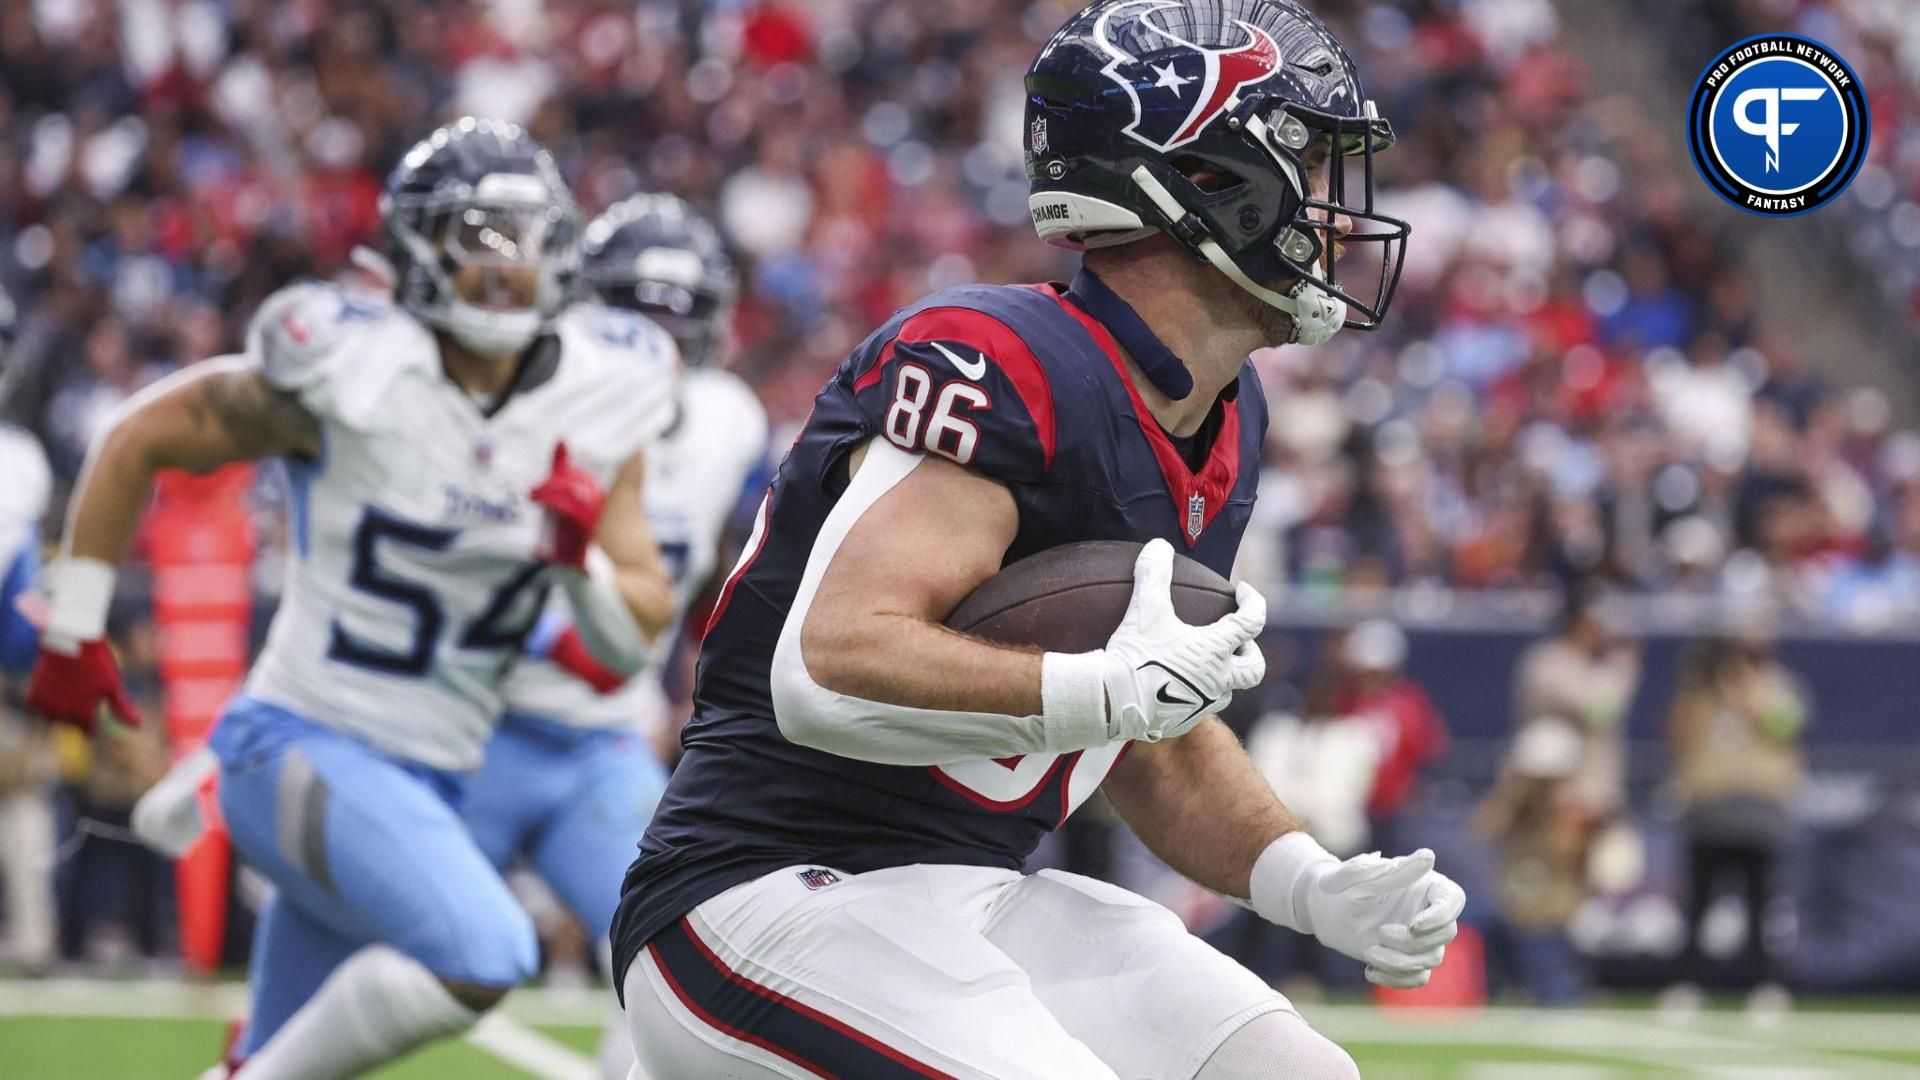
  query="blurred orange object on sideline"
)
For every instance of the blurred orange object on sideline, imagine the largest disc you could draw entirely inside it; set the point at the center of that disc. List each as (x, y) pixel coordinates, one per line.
(1460, 982)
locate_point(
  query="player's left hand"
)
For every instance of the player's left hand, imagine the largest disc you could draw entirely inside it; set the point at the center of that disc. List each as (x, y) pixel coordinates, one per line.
(571, 654)
(1397, 915)
(574, 501)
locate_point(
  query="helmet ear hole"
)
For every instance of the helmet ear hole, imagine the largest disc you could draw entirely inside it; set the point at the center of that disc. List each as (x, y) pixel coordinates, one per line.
(1209, 177)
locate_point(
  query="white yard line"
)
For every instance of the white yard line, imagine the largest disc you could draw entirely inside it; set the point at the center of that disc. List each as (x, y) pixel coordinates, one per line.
(1807, 1044)
(1709, 1054)
(527, 1049)
(1522, 1070)
(144, 998)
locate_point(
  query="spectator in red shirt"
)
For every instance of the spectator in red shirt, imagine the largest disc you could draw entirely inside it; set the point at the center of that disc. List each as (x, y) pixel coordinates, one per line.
(1410, 729)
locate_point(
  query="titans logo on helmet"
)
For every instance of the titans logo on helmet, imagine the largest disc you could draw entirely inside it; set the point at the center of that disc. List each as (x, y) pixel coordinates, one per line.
(1178, 87)
(1778, 125)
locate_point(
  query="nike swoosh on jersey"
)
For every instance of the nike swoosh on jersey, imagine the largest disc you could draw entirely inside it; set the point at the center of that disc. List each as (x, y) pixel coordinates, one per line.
(976, 370)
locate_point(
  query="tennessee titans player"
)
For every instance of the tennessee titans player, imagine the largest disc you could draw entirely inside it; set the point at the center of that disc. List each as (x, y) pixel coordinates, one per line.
(831, 885)
(456, 450)
(26, 817)
(23, 501)
(571, 776)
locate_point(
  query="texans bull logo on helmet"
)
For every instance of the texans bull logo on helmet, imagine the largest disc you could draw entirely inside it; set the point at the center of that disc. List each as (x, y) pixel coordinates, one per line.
(1208, 81)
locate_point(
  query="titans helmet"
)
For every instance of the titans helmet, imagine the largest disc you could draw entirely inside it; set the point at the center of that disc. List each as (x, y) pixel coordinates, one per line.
(9, 331)
(9, 328)
(656, 255)
(1208, 120)
(480, 194)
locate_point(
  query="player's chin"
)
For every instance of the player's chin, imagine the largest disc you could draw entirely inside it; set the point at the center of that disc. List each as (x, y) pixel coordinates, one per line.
(1273, 326)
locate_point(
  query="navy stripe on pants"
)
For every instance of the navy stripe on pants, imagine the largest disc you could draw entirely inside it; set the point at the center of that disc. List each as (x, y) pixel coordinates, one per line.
(736, 1006)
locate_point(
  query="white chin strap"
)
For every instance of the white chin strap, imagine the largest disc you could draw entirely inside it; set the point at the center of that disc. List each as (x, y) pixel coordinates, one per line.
(1317, 316)
(491, 333)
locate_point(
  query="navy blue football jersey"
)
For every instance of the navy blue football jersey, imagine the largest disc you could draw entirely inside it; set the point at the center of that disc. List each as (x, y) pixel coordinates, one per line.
(1026, 385)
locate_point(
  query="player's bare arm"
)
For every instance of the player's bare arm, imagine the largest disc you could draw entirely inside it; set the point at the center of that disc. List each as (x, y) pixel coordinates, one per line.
(909, 538)
(625, 534)
(874, 629)
(621, 598)
(210, 415)
(214, 414)
(1200, 805)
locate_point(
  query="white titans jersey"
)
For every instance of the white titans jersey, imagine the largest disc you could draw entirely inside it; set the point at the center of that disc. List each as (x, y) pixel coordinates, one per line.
(716, 442)
(23, 494)
(413, 580)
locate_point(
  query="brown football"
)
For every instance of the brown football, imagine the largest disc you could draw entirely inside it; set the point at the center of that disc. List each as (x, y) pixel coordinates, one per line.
(1072, 598)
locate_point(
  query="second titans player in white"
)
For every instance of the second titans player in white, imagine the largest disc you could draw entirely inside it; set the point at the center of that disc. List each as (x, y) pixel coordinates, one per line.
(571, 777)
(455, 451)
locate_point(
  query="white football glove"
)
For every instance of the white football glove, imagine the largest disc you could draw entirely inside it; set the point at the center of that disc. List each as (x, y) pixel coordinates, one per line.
(1164, 676)
(1396, 915)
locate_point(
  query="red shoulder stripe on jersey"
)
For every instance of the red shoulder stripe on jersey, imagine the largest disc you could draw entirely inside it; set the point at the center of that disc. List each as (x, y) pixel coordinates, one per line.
(999, 342)
(1215, 480)
(873, 375)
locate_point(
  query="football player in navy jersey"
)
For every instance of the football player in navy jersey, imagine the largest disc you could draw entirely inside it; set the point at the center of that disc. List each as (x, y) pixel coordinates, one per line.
(832, 885)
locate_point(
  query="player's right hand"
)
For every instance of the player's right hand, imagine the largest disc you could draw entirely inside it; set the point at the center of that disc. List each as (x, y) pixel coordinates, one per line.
(1164, 676)
(70, 683)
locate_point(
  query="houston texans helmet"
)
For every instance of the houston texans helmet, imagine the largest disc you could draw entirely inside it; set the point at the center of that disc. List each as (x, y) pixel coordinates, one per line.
(481, 193)
(1132, 100)
(656, 255)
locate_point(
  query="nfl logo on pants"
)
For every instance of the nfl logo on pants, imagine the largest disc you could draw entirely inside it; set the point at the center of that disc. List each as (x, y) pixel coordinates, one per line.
(815, 877)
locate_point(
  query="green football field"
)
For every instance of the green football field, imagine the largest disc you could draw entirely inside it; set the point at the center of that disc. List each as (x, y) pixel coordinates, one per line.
(66, 1029)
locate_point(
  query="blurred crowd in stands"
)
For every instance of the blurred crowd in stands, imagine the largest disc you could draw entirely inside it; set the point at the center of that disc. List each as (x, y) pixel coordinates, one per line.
(1575, 380)
(1575, 383)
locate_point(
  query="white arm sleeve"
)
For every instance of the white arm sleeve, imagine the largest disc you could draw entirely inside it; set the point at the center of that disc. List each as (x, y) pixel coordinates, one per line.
(606, 624)
(1072, 691)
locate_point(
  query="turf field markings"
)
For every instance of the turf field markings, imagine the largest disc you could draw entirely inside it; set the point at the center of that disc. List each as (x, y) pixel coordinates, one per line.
(111, 998)
(526, 1049)
(1800, 1062)
(1528, 1070)
(1625, 1037)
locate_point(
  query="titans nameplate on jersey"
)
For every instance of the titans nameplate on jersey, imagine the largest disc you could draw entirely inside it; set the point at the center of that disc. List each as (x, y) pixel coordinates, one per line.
(1778, 125)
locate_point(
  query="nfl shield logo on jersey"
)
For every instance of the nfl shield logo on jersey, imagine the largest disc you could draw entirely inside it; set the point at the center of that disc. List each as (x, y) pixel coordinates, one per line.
(817, 877)
(1196, 516)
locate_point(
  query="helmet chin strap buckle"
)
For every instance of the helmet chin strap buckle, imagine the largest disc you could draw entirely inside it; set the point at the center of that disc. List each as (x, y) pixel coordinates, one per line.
(1316, 315)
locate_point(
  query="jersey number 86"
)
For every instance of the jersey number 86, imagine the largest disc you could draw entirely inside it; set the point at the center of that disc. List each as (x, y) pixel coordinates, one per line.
(944, 432)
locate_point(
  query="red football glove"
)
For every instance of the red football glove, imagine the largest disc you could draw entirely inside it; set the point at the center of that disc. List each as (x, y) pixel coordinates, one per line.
(572, 655)
(573, 501)
(70, 689)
